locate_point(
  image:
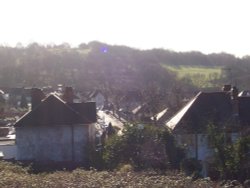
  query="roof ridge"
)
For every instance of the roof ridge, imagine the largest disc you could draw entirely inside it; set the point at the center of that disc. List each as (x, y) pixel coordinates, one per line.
(66, 105)
(45, 102)
(171, 123)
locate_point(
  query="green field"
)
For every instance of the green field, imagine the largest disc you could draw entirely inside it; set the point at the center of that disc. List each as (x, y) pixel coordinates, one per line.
(199, 75)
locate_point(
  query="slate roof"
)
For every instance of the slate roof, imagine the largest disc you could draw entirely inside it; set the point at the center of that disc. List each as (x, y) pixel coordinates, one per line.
(87, 109)
(132, 95)
(53, 111)
(93, 94)
(245, 93)
(203, 108)
(144, 108)
(161, 116)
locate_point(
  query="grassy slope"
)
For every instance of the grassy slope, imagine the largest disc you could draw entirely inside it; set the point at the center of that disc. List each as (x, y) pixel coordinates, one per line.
(200, 76)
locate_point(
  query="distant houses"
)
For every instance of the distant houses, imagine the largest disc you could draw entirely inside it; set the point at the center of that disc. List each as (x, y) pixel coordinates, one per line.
(60, 128)
(161, 117)
(98, 97)
(19, 97)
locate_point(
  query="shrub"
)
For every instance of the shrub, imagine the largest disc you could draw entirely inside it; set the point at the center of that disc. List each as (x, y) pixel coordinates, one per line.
(142, 146)
(232, 159)
(191, 166)
(242, 157)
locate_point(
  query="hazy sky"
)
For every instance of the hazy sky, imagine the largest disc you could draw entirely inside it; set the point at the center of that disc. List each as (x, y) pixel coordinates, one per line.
(181, 25)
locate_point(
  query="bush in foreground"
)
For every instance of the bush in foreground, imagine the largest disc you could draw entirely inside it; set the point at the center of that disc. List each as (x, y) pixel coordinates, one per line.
(143, 147)
(231, 159)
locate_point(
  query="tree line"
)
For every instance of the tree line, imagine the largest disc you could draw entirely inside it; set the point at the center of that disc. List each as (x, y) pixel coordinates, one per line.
(99, 65)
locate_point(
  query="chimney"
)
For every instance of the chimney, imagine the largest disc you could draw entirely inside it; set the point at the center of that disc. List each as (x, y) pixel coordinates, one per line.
(234, 93)
(68, 95)
(36, 97)
(235, 102)
(226, 88)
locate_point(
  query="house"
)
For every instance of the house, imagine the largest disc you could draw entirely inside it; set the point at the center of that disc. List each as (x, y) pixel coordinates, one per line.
(222, 109)
(130, 99)
(17, 95)
(161, 117)
(98, 97)
(142, 113)
(55, 130)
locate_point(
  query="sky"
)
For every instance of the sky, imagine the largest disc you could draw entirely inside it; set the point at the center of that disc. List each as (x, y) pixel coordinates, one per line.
(208, 26)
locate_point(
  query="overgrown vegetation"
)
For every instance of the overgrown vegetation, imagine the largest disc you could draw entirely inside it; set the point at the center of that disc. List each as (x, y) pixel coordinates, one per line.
(12, 175)
(232, 160)
(191, 167)
(143, 147)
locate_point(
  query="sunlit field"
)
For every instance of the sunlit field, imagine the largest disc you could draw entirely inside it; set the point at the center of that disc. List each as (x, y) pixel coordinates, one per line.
(199, 75)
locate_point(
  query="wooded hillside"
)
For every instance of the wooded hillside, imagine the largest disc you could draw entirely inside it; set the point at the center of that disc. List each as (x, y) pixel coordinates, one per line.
(103, 66)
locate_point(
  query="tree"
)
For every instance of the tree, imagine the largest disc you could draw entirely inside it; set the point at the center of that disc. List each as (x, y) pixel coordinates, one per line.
(142, 146)
(231, 159)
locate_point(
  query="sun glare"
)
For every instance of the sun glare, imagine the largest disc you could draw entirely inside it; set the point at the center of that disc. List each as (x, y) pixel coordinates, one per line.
(206, 26)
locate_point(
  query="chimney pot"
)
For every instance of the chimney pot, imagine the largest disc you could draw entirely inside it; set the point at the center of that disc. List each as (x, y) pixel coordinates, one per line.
(226, 88)
(234, 93)
(36, 97)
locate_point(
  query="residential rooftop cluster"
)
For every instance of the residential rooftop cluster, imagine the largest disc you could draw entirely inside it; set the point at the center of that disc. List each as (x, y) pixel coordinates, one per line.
(60, 125)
